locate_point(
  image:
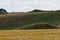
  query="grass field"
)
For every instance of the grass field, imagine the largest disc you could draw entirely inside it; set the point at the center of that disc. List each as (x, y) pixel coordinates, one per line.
(47, 34)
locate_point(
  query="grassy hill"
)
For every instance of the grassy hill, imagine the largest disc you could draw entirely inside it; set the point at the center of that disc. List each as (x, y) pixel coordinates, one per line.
(16, 20)
(49, 34)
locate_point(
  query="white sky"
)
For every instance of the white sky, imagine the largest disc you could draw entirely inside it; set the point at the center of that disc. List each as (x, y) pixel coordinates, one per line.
(28, 5)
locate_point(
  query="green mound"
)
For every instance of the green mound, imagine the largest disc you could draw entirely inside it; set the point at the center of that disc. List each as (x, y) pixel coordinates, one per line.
(39, 26)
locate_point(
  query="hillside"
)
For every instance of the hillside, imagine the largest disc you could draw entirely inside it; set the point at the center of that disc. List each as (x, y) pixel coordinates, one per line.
(16, 20)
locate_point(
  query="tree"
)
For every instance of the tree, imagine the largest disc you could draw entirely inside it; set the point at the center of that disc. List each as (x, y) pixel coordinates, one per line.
(57, 11)
(36, 10)
(3, 11)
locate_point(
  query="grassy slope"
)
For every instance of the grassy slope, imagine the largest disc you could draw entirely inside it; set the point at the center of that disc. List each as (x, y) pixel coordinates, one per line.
(13, 21)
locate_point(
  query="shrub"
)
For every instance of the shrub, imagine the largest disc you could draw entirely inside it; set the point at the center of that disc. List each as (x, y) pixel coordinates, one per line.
(3, 11)
(36, 10)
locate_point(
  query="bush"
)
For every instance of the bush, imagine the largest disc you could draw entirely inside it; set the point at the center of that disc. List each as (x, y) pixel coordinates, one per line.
(57, 11)
(36, 10)
(3, 11)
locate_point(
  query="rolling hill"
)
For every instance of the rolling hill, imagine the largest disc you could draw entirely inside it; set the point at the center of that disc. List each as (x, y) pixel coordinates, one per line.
(15, 20)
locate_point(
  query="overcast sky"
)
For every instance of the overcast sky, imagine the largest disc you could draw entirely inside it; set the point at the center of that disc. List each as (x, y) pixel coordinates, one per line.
(27, 5)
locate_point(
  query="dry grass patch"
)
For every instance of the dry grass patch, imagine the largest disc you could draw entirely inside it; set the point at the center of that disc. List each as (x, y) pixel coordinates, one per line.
(47, 34)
